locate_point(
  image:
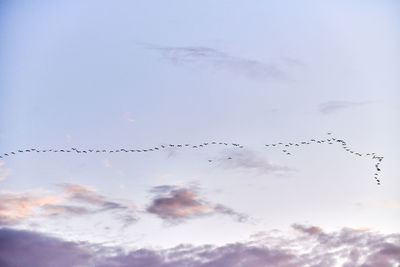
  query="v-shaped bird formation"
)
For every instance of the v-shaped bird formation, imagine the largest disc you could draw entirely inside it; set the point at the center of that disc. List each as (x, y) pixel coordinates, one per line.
(287, 148)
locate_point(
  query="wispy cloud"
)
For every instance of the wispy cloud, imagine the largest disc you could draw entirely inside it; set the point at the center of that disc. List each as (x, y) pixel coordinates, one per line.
(75, 200)
(333, 106)
(311, 246)
(249, 160)
(176, 204)
(15, 207)
(205, 56)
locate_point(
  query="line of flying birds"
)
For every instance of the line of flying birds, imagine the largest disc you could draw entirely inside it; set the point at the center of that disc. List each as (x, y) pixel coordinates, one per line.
(331, 140)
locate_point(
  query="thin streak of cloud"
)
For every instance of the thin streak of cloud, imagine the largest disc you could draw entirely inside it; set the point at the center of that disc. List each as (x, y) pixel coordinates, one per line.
(334, 106)
(197, 56)
(249, 160)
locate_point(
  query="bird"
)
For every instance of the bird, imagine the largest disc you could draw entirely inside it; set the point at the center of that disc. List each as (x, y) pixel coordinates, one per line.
(229, 158)
(209, 160)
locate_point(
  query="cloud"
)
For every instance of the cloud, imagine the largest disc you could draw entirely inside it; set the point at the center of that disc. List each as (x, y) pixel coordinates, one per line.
(204, 56)
(89, 195)
(347, 247)
(247, 159)
(333, 106)
(74, 200)
(15, 207)
(175, 204)
(25, 248)
(4, 172)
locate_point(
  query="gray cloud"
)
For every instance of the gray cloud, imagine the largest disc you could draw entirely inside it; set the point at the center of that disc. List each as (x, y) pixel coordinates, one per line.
(174, 205)
(204, 56)
(333, 106)
(311, 246)
(250, 160)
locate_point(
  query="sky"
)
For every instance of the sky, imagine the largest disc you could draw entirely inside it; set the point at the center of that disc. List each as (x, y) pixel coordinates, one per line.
(173, 75)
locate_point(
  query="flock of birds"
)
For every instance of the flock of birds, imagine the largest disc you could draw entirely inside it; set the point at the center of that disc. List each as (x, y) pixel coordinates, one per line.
(286, 149)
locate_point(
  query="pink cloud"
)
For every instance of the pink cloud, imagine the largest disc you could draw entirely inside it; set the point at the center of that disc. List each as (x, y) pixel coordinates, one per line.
(174, 204)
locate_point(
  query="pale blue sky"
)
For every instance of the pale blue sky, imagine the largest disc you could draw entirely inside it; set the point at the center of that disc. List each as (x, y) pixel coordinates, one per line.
(96, 74)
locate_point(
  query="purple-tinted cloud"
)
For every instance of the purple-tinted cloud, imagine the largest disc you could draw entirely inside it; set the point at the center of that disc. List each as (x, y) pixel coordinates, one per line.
(307, 246)
(204, 56)
(174, 204)
(333, 106)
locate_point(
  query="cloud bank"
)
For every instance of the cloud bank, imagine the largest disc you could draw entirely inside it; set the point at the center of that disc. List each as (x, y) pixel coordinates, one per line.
(305, 246)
